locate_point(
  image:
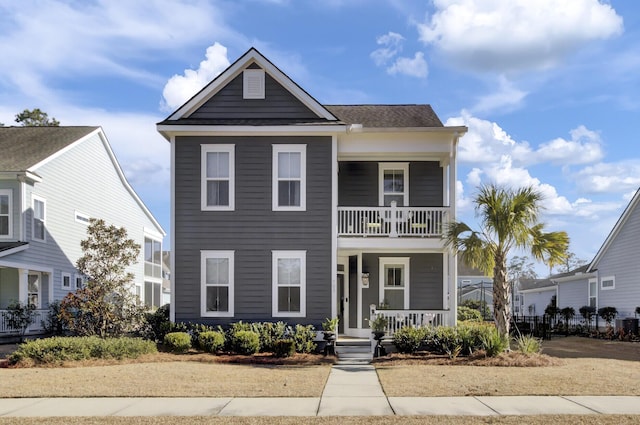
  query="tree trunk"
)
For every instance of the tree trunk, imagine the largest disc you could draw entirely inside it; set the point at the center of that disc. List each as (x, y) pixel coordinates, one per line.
(501, 296)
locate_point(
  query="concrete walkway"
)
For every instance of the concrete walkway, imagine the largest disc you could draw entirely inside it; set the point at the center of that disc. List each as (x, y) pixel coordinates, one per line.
(351, 390)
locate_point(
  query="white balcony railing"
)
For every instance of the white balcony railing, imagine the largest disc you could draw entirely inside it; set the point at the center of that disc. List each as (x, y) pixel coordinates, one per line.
(397, 319)
(36, 326)
(392, 221)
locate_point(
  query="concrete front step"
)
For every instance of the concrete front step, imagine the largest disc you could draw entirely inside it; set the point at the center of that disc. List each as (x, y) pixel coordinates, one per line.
(354, 351)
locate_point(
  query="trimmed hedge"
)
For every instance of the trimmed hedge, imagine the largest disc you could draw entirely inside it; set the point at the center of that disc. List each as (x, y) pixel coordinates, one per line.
(246, 342)
(56, 350)
(178, 342)
(211, 341)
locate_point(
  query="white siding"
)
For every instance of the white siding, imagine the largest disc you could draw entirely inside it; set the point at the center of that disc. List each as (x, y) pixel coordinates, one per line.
(573, 294)
(540, 301)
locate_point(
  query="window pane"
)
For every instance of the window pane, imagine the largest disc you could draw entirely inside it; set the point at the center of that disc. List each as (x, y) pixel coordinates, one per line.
(66, 281)
(289, 299)
(217, 298)
(148, 251)
(38, 229)
(592, 289)
(4, 225)
(157, 252)
(218, 193)
(289, 193)
(217, 164)
(148, 294)
(398, 198)
(395, 298)
(38, 210)
(592, 302)
(217, 271)
(289, 271)
(157, 289)
(4, 204)
(289, 165)
(393, 181)
(394, 276)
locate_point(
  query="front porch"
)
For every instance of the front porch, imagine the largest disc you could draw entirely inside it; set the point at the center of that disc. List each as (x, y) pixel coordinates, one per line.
(397, 319)
(36, 327)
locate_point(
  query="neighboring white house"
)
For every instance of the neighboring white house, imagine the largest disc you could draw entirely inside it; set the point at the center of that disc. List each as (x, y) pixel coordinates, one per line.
(534, 295)
(52, 181)
(474, 285)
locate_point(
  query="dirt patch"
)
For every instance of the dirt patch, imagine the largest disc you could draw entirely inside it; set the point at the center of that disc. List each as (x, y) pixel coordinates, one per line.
(580, 348)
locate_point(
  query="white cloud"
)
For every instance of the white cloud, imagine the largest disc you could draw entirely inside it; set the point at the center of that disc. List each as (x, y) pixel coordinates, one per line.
(392, 45)
(506, 96)
(181, 88)
(609, 177)
(516, 35)
(416, 67)
(584, 147)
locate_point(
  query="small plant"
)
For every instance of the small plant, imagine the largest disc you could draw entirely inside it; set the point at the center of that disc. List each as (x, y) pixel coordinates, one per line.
(528, 344)
(330, 325)
(269, 333)
(408, 339)
(19, 316)
(178, 342)
(467, 314)
(303, 337)
(211, 341)
(284, 348)
(493, 343)
(247, 342)
(608, 314)
(567, 314)
(379, 324)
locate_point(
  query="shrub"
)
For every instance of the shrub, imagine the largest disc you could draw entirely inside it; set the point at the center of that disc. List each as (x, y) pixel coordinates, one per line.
(447, 341)
(211, 341)
(178, 342)
(231, 340)
(493, 343)
(284, 348)
(53, 325)
(469, 314)
(56, 350)
(528, 344)
(303, 337)
(269, 333)
(19, 316)
(608, 314)
(157, 324)
(246, 342)
(408, 339)
(481, 306)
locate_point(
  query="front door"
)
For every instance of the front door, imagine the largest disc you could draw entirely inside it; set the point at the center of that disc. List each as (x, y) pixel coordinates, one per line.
(342, 304)
(34, 289)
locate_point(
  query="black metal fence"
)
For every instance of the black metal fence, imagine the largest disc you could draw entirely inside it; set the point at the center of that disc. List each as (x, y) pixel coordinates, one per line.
(546, 326)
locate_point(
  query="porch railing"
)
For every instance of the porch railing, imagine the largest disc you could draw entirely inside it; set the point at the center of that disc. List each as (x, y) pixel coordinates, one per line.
(392, 221)
(397, 319)
(36, 326)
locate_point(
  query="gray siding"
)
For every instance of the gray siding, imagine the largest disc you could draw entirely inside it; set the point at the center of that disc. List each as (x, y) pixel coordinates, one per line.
(358, 184)
(573, 294)
(278, 103)
(253, 230)
(425, 281)
(539, 301)
(622, 260)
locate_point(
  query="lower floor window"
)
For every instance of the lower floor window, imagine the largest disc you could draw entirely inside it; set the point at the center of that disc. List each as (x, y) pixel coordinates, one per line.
(152, 294)
(289, 277)
(217, 283)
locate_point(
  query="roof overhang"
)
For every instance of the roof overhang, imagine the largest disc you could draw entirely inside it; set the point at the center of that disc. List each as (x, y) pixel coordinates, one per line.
(168, 130)
(13, 248)
(22, 176)
(571, 278)
(534, 290)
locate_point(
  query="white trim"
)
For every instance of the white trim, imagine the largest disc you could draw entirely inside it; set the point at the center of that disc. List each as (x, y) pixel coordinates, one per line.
(204, 255)
(359, 307)
(29, 267)
(334, 226)
(244, 130)
(388, 243)
(231, 178)
(9, 194)
(289, 148)
(13, 250)
(298, 255)
(606, 279)
(80, 217)
(82, 279)
(382, 167)
(394, 261)
(154, 240)
(253, 83)
(593, 281)
(172, 221)
(22, 222)
(37, 198)
(68, 276)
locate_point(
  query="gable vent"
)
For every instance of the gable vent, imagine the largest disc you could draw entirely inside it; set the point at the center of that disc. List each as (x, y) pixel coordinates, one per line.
(253, 84)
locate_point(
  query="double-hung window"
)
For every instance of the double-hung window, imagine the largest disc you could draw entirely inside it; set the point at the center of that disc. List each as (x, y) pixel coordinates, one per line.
(66, 280)
(289, 177)
(289, 282)
(593, 293)
(217, 283)
(5, 213)
(218, 177)
(393, 183)
(39, 219)
(394, 282)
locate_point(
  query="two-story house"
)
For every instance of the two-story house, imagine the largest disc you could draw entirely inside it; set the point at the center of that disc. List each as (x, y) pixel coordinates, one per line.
(52, 181)
(287, 209)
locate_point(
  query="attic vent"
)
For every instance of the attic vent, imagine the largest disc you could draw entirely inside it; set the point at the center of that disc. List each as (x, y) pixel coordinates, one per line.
(253, 87)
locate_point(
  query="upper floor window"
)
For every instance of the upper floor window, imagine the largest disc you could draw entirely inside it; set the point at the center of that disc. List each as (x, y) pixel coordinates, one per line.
(39, 219)
(394, 183)
(66, 280)
(608, 282)
(289, 177)
(152, 257)
(5, 213)
(218, 177)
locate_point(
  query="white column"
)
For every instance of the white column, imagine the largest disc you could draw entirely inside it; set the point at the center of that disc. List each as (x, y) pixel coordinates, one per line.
(23, 285)
(334, 226)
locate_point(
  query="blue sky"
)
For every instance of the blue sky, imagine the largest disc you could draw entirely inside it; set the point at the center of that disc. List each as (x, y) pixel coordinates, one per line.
(549, 90)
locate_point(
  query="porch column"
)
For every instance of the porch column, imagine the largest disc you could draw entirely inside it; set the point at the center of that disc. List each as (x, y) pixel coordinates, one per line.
(23, 285)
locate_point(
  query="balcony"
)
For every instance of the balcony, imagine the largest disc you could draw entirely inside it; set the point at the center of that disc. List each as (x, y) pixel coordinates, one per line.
(393, 221)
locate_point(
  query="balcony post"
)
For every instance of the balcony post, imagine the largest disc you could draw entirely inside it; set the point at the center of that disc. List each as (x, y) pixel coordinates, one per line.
(394, 220)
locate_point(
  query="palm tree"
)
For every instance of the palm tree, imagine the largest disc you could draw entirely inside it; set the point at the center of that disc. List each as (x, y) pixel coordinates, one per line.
(508, 219)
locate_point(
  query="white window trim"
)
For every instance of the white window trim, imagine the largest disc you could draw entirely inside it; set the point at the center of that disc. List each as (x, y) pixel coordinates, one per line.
(75, 281)
(608, 288)
(394, 261)
(230, 149)
(253, 75)
(9, 194)
(302, 256)
(302, 150)
(229, 255)
(68, 275)
(589, 294)
(144, 258)
(382, 167)
(35, 198)
(81, 218)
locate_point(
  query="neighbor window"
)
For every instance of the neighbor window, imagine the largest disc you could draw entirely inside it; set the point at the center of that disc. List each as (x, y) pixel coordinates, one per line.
(218, 177)
(593, 293)
(608, 282)
(289, 280)
(39, 219)
(393, 183)
(217, 283)
(394, 282)
(81, 218)
(66, 280)
(5, 213)
(79, 282)
(152, 294)
(289, 177)
(152, 258)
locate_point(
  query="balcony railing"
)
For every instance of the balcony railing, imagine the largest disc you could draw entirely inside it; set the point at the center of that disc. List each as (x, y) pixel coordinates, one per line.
(35, 327)
(392, 221)
(397, 319)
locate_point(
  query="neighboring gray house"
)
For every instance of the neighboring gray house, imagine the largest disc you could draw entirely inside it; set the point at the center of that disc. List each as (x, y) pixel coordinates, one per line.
(474, 285)
(52, 180)
(287, 209)
(534, 295)
(577, 288)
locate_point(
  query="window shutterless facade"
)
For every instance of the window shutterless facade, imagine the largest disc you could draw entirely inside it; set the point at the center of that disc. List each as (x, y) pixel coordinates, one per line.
(217, 283)
(5, 213)
(289, 177)
(152, 258)
(66, 280)
(393, 183)
(289, 283)
(593, 293)
(38, 228)
(218, 178)
(394, 282)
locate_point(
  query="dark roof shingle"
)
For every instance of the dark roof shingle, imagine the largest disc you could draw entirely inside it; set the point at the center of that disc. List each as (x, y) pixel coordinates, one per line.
(386, 115)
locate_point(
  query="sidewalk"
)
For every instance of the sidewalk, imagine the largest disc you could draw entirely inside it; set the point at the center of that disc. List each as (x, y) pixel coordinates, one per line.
(351, 390)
